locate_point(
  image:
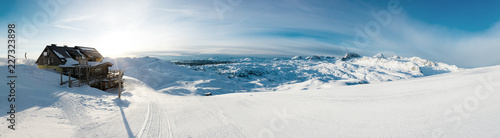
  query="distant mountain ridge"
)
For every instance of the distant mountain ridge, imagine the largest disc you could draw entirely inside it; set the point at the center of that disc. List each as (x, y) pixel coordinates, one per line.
(266, 74)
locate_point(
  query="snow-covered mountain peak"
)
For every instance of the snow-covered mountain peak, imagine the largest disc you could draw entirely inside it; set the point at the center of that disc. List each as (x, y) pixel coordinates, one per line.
(349, 56)
(379, 55)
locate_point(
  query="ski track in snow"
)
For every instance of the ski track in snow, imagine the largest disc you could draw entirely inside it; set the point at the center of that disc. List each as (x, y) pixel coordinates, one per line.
(146, 120)
(156, 117)
(170, 132)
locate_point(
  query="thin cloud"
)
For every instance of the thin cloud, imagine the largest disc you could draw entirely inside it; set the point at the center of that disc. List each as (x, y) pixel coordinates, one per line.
(187, 12)
(72, 19)
(68, 27)
(409, 37)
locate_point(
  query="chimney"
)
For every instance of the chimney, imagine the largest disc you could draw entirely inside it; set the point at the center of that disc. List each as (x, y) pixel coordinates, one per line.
(53, 44)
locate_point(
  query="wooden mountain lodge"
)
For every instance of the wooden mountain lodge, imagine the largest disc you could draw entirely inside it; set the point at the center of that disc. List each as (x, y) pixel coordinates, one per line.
(83, 63)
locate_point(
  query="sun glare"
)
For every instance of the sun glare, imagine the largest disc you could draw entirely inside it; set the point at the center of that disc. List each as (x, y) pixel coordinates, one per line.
(117, 44)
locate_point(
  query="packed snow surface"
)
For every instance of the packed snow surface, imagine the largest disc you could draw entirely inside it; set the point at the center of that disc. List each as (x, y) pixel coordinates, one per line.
(161, 99)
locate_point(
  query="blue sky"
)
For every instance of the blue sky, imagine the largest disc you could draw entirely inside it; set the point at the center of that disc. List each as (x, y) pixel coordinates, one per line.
(460, 32)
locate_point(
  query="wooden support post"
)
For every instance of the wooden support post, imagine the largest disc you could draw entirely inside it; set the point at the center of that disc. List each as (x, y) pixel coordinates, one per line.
(119, 85)
(88, 75)
(69, 78)
(119, 89)
(61, 78)
(79, 75)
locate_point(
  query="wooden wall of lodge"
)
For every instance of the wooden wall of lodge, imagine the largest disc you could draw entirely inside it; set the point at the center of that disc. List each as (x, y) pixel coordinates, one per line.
(49, 59)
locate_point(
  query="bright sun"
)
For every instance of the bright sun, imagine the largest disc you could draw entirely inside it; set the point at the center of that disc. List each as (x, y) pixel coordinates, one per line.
(116, 44)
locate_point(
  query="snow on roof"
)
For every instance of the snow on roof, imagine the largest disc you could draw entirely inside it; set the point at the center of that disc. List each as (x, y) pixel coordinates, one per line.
(67, 52)
(61, 51)
(69, 55)
(58, 54)
(93, 63)
(78, 51)
(69, 62)
(89, 51)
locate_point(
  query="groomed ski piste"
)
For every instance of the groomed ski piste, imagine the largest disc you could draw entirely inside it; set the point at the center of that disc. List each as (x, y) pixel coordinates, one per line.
(314, 96)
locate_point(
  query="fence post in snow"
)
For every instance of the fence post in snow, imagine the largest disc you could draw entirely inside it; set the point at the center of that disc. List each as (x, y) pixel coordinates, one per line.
(79, 75)
(120, 84)
(61, 78)
(69, 78)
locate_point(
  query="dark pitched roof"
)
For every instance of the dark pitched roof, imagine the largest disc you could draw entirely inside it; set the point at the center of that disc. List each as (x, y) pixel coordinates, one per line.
(66, 52)
(89, 52)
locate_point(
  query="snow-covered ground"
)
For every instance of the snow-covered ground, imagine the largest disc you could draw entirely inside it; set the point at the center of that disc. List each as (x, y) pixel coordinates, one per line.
(162, 99)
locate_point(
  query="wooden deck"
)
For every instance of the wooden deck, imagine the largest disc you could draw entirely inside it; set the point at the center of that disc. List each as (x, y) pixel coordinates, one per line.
(93, 76)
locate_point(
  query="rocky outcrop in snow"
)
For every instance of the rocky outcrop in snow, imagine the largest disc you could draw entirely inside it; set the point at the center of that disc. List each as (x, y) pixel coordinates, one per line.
(379, 56)
(349, 56)
(296, 57)
(313, 58)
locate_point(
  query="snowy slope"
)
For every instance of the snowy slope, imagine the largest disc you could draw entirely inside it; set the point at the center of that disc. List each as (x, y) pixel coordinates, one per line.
(459, 104)
(46, 109)
(256, 74)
